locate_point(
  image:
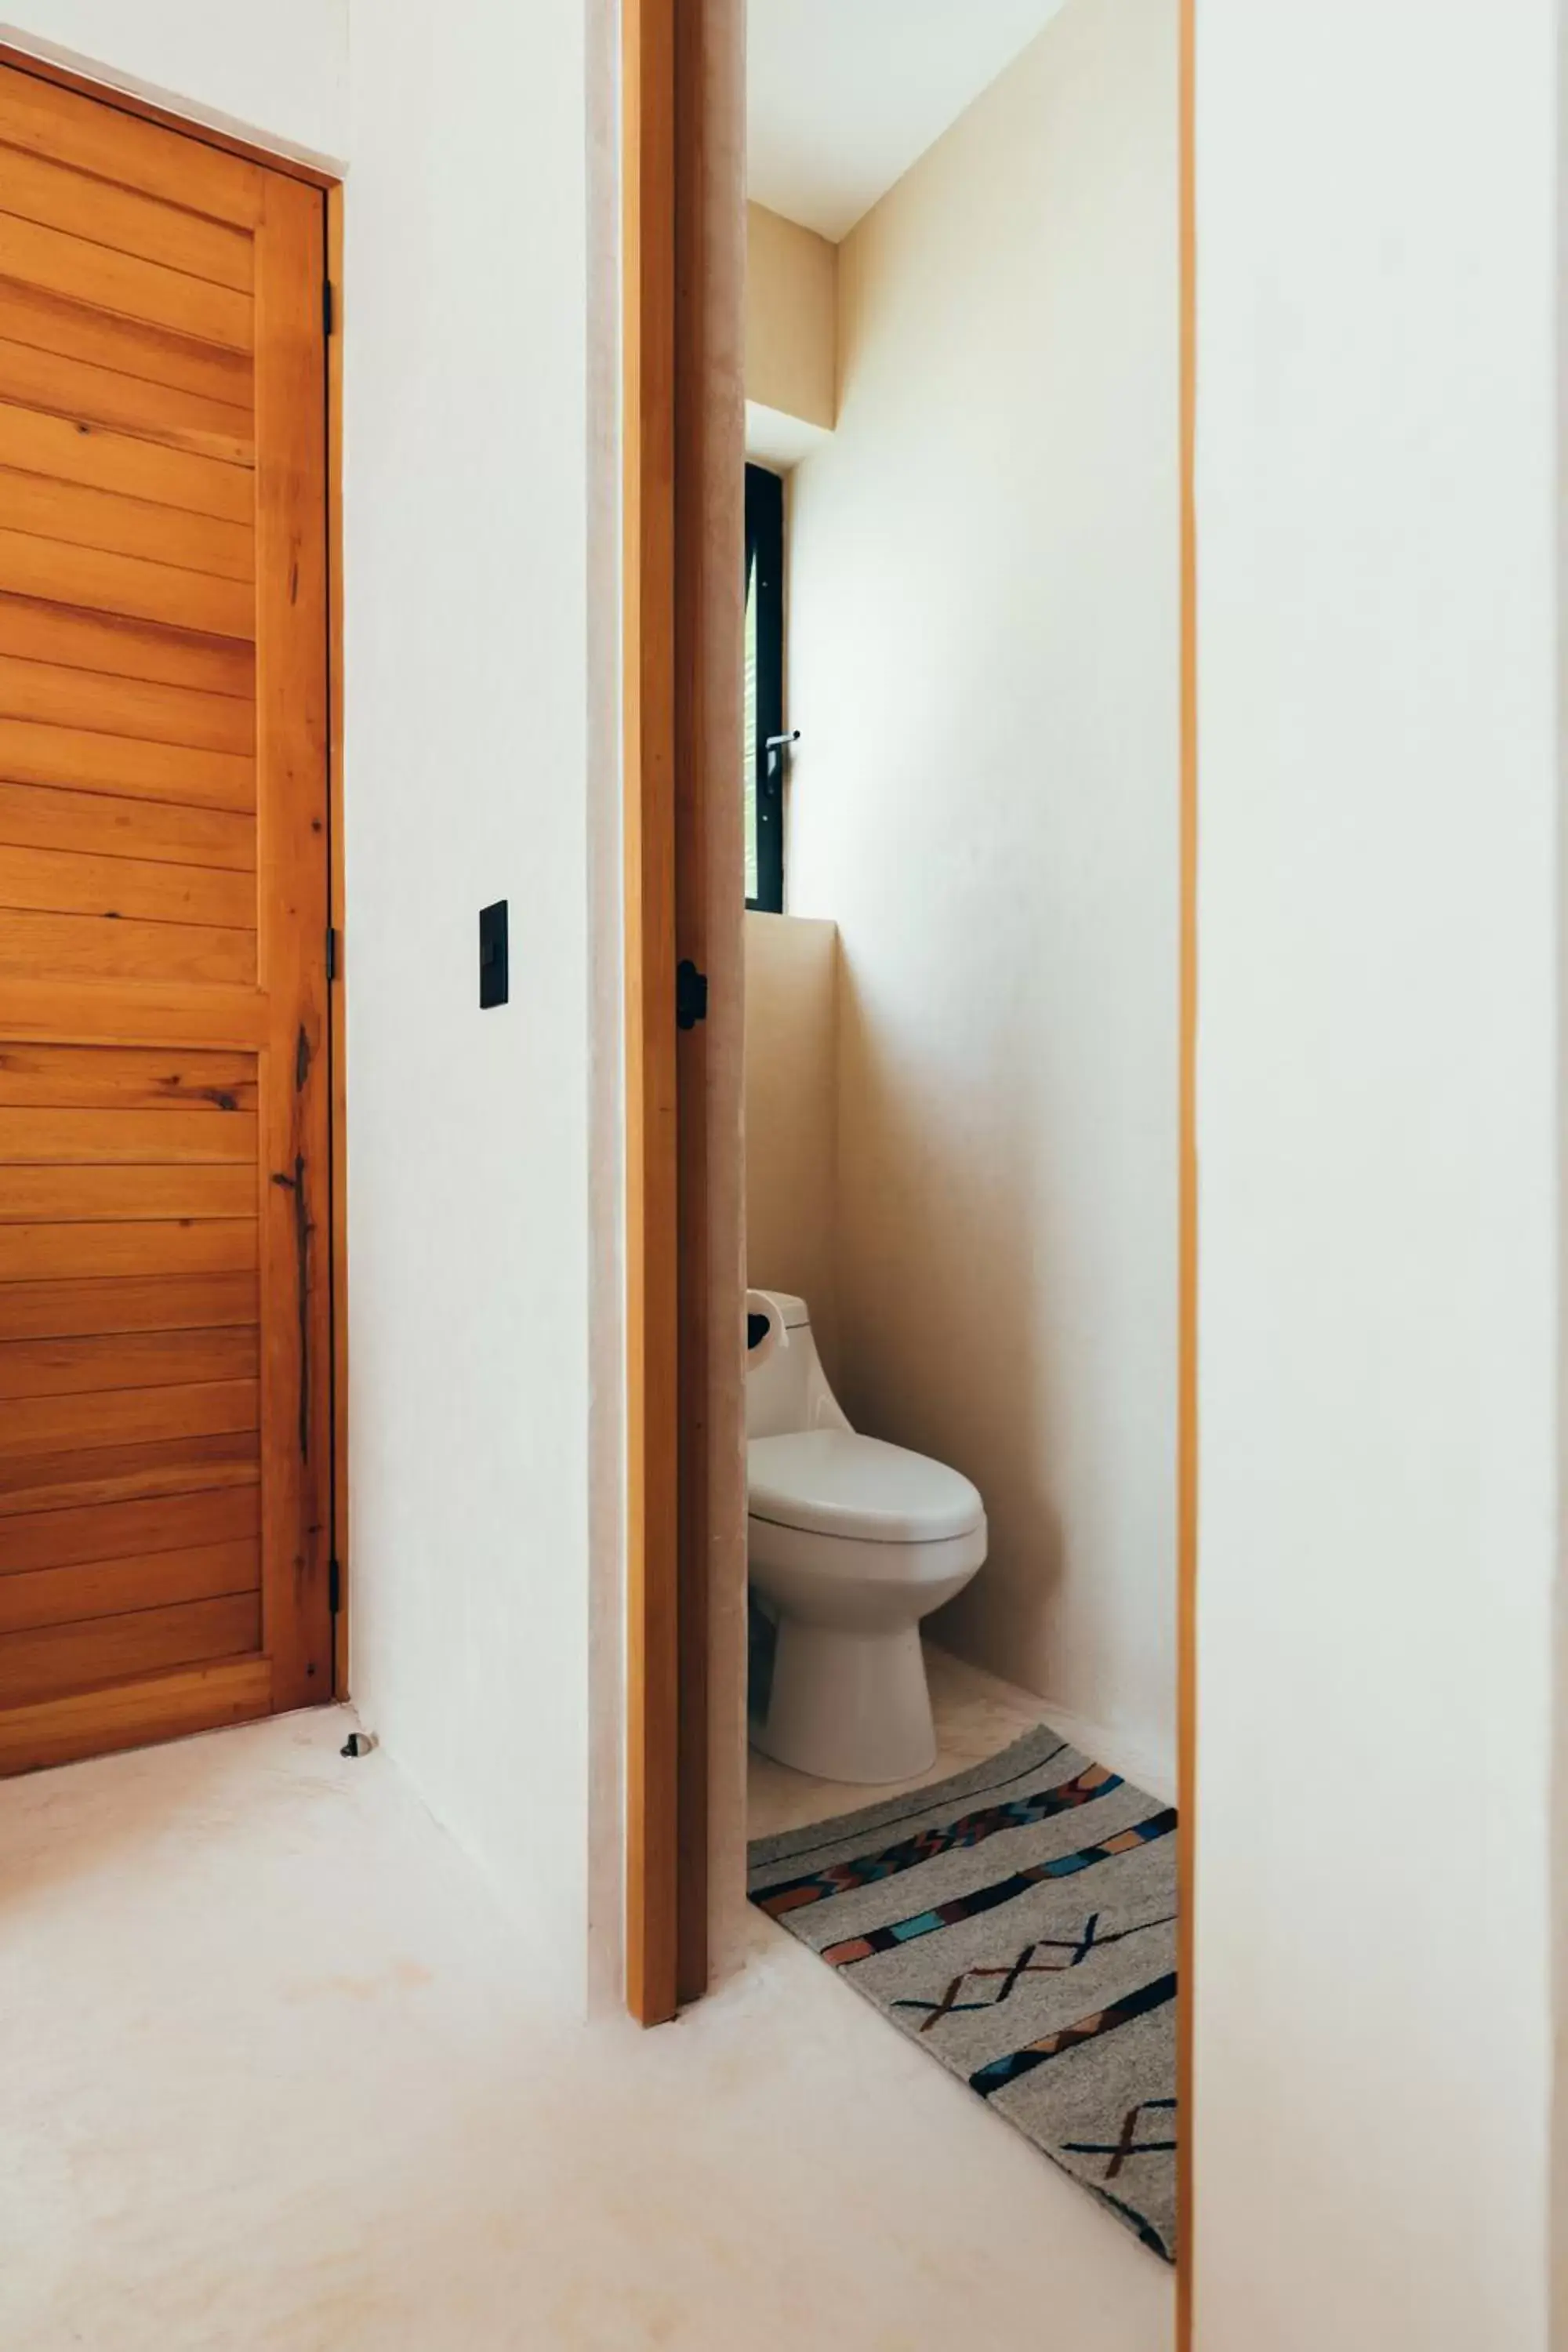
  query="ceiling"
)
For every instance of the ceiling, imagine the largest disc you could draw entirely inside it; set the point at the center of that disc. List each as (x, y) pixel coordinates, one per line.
(843, 95)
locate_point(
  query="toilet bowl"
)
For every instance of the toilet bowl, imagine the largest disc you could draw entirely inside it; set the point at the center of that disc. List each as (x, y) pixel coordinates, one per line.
(850, 1542)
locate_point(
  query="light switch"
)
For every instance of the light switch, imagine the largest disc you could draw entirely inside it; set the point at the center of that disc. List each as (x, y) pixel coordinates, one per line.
(492, 955)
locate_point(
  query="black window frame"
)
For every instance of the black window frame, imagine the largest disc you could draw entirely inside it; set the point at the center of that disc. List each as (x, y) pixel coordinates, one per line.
(765, 573)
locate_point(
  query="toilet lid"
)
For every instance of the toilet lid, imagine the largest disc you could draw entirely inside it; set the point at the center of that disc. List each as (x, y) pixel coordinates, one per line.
(833, 1482)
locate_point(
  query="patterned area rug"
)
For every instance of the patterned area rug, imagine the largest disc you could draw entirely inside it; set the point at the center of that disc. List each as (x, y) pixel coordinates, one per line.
(1017, 1921)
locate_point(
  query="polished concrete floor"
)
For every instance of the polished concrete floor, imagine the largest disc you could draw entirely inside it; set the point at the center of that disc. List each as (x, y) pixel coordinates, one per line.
(281, 2076)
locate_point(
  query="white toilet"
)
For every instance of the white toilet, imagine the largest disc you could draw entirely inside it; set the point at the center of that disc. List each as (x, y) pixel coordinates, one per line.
(850, 1543)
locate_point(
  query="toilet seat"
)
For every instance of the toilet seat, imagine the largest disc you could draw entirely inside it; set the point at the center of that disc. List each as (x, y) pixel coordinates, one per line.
(835, 1482)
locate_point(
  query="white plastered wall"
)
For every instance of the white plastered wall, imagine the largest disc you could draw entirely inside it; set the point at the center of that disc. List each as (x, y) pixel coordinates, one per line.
(982, 662)
(477, 317)
(1379, 776)
(475, 525)
(278, 73)
(1378, 359)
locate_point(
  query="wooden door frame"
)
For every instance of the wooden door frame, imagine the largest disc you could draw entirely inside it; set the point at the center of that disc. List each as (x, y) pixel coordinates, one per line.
(681, 610)
(337, 995)
(665, 135)
(109, 93)
(655, 1878)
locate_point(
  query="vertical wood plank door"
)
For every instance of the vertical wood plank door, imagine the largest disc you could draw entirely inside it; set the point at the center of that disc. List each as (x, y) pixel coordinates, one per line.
(164, 1090)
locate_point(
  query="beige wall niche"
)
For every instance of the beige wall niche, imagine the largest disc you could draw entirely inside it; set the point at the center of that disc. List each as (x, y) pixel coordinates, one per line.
(791, 276)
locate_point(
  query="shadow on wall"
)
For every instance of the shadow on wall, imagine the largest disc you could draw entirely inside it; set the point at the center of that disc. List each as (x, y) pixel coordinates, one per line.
(791, 1116)
(975, 1209)
(941, 1253)
(983, 657)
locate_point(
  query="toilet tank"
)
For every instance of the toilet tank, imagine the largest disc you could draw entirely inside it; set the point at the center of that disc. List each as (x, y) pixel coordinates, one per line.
(789, 1390)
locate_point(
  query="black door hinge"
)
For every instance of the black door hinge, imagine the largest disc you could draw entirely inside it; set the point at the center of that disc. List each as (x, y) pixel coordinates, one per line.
(691, 994)
(334, 1586)
(328, 307)
(332, 951)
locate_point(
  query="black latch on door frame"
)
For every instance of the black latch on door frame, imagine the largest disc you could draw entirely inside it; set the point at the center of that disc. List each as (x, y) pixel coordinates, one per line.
(691, 994)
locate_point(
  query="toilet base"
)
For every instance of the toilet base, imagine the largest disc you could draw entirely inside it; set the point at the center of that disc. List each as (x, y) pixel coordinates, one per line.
(849, 1705)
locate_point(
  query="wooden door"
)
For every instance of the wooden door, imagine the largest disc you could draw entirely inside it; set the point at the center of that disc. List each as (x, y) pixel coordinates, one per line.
(165, 1093)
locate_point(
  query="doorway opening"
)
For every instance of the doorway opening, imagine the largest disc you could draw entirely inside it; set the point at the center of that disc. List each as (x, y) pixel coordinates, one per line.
(966, 1059)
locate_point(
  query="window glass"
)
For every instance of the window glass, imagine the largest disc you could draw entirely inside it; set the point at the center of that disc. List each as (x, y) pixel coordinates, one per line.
(764, 768)
(750, 770)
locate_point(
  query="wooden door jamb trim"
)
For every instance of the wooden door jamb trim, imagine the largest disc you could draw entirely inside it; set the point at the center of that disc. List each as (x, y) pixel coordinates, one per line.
(670, 569)
(337, 986)
(652, 1184)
